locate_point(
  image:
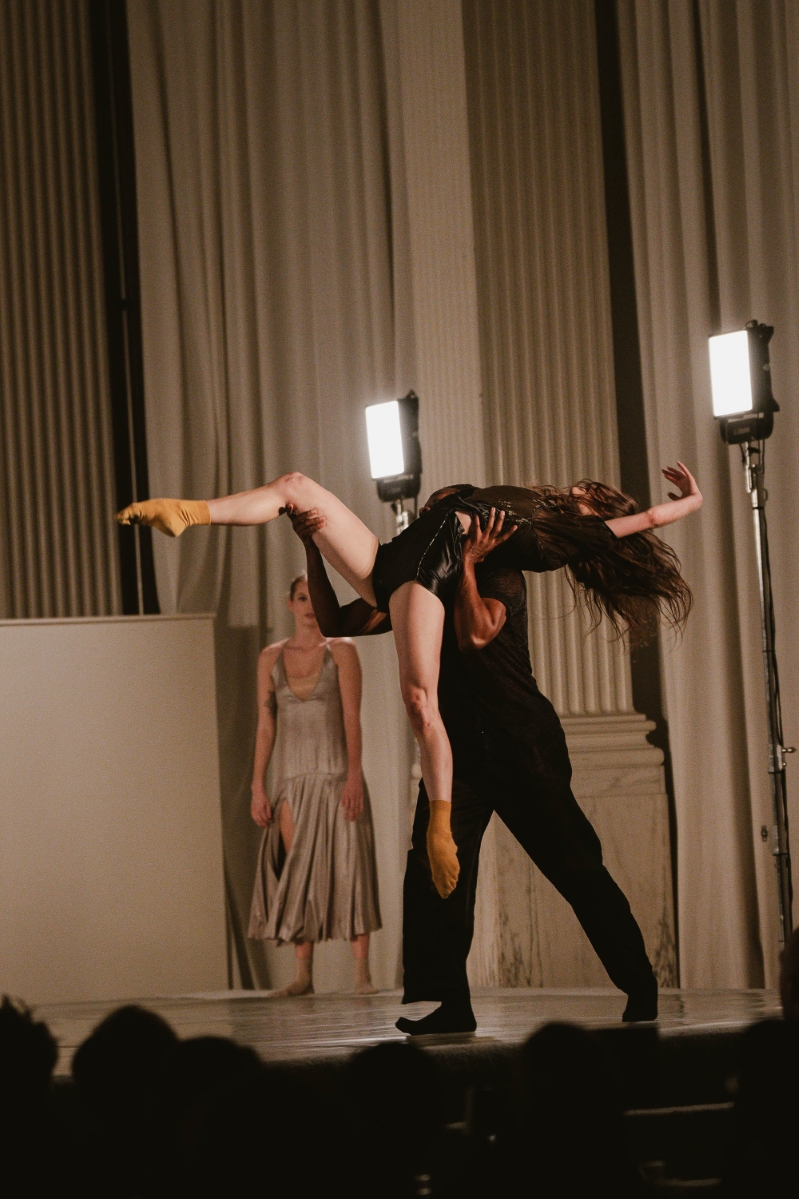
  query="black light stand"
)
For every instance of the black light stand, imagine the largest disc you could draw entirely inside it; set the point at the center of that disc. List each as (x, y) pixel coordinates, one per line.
(752, 454)
(750, 430)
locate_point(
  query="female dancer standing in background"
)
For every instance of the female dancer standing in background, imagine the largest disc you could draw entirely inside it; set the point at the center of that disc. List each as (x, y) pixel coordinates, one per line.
(613, 557)
(316, 878)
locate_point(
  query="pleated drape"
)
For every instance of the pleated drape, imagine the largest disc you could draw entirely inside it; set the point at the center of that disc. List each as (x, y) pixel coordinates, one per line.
(58, 550)
(546, 342)
(266, 213)
(711, 95)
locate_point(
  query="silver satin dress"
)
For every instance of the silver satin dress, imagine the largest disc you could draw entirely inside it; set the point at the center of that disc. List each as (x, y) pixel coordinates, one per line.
(325, 887)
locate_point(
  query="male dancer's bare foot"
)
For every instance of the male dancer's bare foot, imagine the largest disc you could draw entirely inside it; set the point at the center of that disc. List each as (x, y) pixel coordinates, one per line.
(454, 1015)
(442, 852)
(172, 517)
(298, 987)
(367, 988)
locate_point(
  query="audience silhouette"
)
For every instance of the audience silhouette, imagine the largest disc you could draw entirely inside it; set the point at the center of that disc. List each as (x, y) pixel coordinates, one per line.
(28, 1055)
(572, 1134)
(147, 1116)
(763, 1153)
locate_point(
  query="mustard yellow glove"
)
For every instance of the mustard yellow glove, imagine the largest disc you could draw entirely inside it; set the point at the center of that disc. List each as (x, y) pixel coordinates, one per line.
(441, 848)
(172, 517)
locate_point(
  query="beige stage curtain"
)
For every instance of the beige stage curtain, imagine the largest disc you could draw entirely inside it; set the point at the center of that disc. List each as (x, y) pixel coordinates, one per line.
(269, 253)
(58, 549)
(711, 92)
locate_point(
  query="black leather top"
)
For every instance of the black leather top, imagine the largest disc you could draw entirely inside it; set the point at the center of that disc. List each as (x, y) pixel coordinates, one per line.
(429, 550)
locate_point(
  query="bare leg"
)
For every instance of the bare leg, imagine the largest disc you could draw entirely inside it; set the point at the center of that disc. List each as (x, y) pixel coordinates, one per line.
(345, 541)
(285, 822)
(360, 954)
(417, 617)
(303, 950)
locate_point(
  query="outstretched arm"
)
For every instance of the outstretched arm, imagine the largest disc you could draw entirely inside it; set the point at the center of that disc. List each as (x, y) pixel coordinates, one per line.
(688, 500)
(357, 619)
(478, 620)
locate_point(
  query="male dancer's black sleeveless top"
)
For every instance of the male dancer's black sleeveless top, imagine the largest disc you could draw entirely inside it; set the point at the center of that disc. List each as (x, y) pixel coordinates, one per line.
(429, 551)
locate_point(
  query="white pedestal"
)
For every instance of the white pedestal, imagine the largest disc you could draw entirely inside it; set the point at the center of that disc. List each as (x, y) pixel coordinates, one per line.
(111, 882)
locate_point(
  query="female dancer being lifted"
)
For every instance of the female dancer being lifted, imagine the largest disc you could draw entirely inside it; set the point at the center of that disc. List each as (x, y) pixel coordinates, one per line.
(614, 559)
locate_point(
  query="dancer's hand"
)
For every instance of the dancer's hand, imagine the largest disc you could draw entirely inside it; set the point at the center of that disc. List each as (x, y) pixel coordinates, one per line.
(260, 807)
(352, 796)
(687, 499)
(480, 542)
(442, 852)
(305, 524)
(681, 478)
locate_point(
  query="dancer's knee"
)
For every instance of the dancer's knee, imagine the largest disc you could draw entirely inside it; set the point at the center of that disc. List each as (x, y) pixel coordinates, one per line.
(422, 710)
(295, 487)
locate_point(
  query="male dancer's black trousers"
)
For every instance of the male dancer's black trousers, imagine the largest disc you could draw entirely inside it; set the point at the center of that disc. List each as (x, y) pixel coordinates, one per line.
(526, 780)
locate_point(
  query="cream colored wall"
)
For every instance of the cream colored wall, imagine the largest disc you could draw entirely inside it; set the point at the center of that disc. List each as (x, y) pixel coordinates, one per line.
(110, 834)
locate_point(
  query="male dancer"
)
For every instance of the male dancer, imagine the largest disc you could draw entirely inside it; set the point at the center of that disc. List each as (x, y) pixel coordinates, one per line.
(509, 756)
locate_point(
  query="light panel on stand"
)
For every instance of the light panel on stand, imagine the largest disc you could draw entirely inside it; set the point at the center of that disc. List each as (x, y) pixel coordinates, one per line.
(384, 433)
(730, 374)
(395, 455)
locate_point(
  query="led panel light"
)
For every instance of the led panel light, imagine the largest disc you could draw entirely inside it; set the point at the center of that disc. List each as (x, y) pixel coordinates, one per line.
(386, 458)
(730, 374)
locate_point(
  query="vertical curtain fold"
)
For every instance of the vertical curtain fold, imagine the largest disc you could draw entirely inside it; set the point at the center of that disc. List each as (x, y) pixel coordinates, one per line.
(710, 95)
(58, 549)
(546, 341)
(267, 266)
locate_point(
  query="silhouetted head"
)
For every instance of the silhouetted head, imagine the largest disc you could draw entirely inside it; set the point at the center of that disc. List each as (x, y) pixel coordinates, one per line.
(28, 1054)
(395, 1098)
(763, 1156)
(119, 1063)
(571, 1098)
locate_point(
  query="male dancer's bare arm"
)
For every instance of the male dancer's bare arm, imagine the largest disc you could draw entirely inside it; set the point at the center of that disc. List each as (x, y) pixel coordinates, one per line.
(478, 620)
(357, 619)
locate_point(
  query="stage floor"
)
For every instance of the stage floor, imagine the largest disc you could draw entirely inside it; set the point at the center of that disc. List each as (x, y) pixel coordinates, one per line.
(329, 1028)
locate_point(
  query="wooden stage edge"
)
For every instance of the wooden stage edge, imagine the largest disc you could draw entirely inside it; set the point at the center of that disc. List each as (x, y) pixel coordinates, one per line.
(328, 1029)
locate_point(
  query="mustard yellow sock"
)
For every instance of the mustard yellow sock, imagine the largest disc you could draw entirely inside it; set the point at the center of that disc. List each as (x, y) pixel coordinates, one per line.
(441, 848)
(172, 517)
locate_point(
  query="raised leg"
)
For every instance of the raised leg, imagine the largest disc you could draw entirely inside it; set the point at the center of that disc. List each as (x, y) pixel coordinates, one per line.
(417, 617)
(345, 541)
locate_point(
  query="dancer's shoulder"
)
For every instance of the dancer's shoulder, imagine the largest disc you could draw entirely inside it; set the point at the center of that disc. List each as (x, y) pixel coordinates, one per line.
(342, 648)
(270, 653)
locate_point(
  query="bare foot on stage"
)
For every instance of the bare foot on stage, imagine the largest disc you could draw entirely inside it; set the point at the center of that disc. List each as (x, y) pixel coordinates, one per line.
(298, 987)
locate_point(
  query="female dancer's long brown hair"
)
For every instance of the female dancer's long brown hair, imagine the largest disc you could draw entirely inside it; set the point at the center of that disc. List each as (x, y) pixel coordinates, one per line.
(635, 581)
